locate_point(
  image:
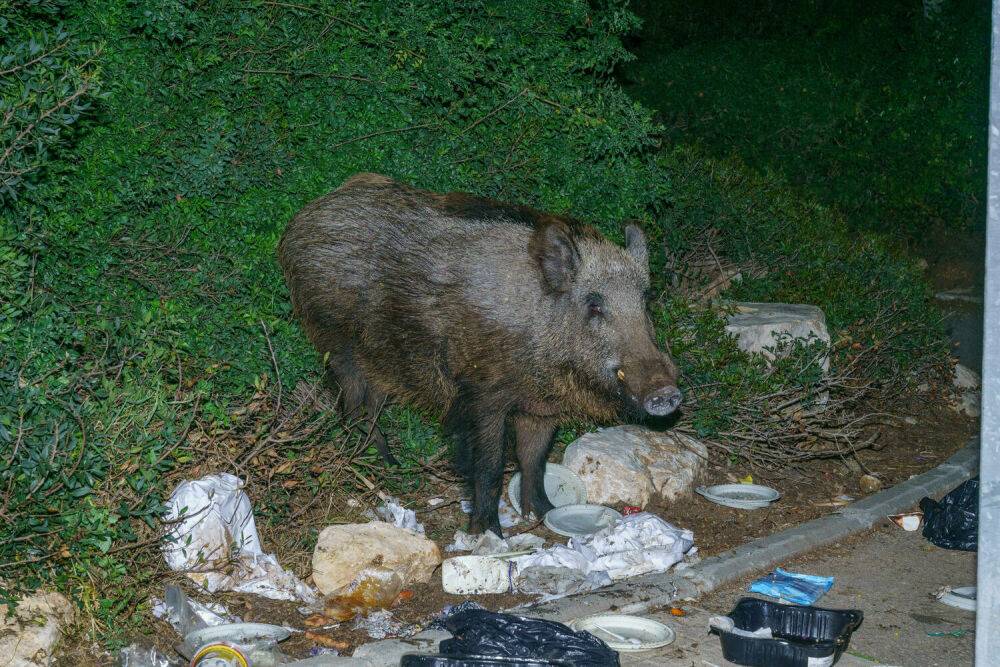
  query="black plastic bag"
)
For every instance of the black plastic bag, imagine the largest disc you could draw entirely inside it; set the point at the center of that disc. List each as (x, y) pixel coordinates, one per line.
(481, 632)
(953, 523)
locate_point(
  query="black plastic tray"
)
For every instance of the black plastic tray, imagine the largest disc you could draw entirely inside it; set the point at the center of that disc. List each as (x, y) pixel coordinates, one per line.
(439, 660)
(800, 633)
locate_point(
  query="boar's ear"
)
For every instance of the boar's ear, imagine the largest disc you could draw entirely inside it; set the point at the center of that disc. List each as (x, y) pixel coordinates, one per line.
(552, 246)
(635, 245)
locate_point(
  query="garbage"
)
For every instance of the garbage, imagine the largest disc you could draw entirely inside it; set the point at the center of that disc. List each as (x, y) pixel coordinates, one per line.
(963, 597)
(555, 581)
(213, 528)
(186, 615)
(393, 512)
(475, 575)
(909, 521)
(954, 633)
(792, 586)
(143, 656)
(627, 633)
(343, 551)
(631, 509)
(254, 643)
(574, 520)
(562, 487)
(633, 545)
(439, 660)
(953, 523)
(373, 589)
(484, 633)
(799, 635)
(380, 624)
(489, 543)
(740, 496)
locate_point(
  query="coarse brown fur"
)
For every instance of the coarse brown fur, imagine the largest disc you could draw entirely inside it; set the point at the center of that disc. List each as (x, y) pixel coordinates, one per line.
(500, 318)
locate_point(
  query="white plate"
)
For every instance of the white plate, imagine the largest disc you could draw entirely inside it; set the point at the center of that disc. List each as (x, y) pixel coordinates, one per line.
(241, 634)
(573, 520)
(626, 633)
(562, 486)
(963, 597)
(740, 496)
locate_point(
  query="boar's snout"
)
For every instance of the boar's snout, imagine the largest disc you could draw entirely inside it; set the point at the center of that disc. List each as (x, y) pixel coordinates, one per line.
(662, 401)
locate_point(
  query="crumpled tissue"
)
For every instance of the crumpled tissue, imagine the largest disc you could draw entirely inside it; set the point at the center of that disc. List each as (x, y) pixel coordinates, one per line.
(213, 539)
(489, 543)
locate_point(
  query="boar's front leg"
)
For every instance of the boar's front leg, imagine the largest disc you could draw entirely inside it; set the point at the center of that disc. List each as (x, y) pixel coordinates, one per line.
(489, 455)
(534, 440)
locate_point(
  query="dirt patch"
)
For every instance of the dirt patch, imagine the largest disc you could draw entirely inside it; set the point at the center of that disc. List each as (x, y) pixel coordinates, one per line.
(816, 490)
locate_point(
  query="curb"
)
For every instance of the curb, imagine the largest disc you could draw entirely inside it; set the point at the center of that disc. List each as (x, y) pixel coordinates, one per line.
(640, 594)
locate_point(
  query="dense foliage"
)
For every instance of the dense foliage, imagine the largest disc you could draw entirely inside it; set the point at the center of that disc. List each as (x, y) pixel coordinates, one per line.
(144, 319)
(869, 107)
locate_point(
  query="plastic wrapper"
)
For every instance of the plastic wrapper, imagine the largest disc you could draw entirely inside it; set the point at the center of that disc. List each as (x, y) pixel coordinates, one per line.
(792, 586)
(486, 633)
(953, 523)
(187, 615)
(393, 512)
(372, 589)
(213, 528)
(142, 656)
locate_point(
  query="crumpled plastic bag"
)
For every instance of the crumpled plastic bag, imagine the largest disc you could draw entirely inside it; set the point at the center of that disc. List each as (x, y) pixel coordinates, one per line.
(143, 656)
(481, 632)
(792, 586)
(953, 523)
(187, 615)
(393, 512)
(636, 544)
(489, 543)
(213, 529)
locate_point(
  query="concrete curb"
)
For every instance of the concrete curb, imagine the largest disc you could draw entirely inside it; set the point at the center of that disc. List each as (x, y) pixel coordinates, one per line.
(640, 594)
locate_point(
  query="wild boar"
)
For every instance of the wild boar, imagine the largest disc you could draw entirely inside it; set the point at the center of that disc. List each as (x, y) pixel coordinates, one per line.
(501, 319)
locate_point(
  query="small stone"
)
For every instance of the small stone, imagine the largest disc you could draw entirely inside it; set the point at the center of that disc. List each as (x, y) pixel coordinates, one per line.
(760, 327)
(629, 465)
(969, 404)
(869, 484)
(912, 421)
(29, 636)
(344, 551)
(965, 378)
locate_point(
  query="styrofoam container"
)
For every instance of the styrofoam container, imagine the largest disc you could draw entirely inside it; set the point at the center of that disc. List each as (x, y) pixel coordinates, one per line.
(562, 486)
(626, 633)
(475, 575)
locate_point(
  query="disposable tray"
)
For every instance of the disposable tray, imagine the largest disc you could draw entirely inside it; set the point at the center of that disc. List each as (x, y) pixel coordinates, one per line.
(803, 636)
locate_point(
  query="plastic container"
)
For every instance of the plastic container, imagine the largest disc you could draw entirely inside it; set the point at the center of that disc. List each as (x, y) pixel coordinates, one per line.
(414, 660)
(803, 636)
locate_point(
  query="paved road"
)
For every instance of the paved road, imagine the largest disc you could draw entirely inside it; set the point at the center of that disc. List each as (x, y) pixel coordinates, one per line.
(889, 574)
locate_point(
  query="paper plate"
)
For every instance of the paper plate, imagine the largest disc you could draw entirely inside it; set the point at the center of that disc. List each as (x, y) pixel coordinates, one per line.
(581, 519)
(240, 634)
(963, 597)
(562, 486)
(626, 633)
(740, 496)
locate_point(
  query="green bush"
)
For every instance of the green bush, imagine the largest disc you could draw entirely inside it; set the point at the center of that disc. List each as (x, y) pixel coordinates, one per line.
(141, 297)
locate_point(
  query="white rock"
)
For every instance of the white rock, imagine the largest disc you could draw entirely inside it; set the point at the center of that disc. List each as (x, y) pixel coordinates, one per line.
(343, 551)
(965, 377)
(760, 327)
(629, 464)
(29, 636)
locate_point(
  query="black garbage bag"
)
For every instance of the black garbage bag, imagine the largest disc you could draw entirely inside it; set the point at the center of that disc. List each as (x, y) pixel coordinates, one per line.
(953, 523)
(481, 632)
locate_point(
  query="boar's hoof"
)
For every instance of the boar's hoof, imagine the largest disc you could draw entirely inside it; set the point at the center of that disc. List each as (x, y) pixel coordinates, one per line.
(663, 401)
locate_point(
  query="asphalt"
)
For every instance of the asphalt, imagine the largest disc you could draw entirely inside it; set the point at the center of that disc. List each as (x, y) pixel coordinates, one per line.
(889, 574)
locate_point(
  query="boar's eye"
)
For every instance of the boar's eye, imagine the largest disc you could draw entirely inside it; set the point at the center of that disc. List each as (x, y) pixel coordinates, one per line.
(595, 305)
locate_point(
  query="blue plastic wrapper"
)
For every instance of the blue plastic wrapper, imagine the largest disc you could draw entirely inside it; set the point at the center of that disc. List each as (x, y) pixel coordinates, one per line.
(792, 586)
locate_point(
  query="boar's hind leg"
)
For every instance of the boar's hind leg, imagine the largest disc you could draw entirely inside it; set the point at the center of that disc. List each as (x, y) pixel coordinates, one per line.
(534, 439)
(480, 444)
(358, 399)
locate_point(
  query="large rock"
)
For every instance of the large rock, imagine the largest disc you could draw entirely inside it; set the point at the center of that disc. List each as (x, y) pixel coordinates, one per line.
(629, 464)
(760, 327)
(29, 636)
(343, 551)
